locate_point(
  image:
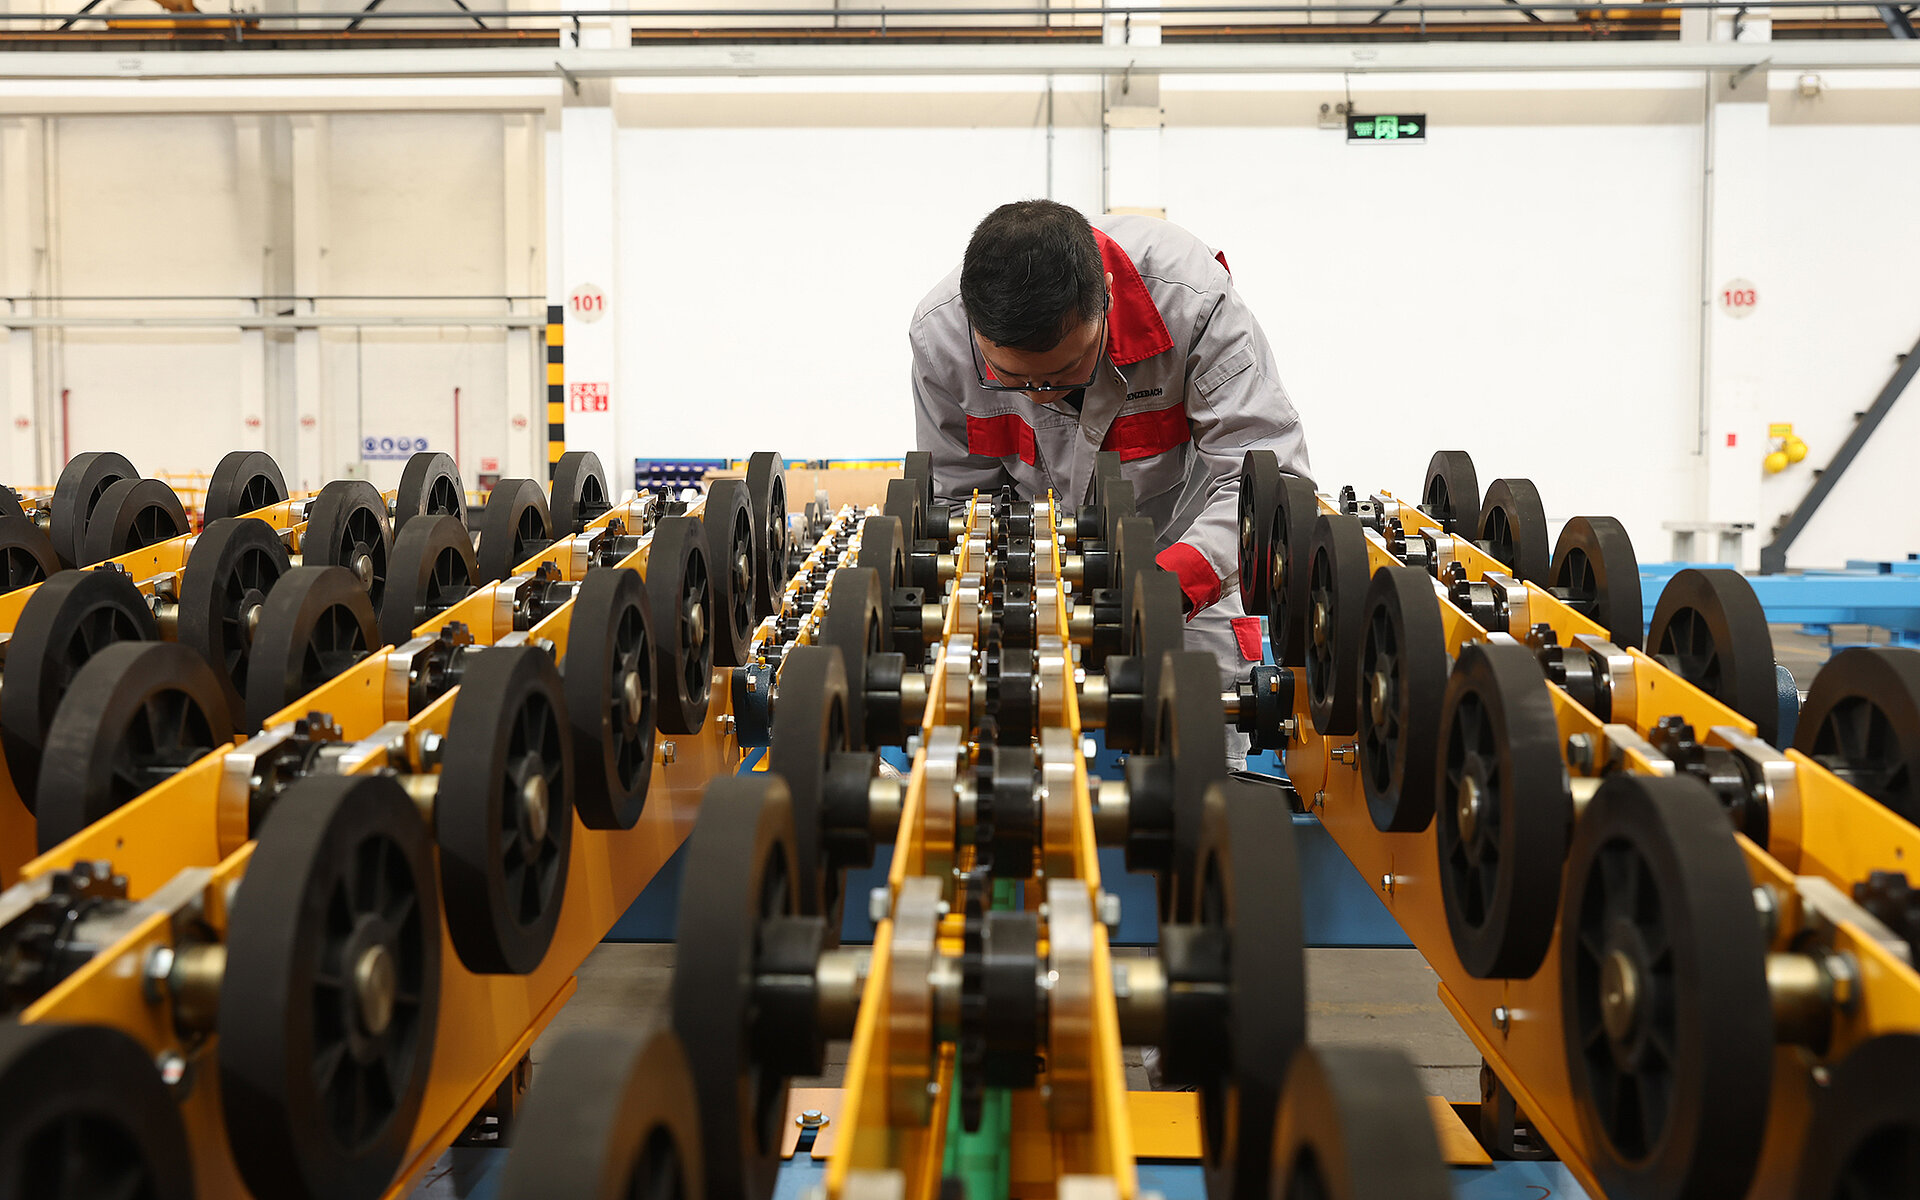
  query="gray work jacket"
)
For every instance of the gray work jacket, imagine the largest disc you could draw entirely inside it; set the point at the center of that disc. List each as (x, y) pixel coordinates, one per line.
(1187, 387)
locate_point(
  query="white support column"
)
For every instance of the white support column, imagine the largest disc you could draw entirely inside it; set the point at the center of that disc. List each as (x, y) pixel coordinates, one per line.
(23, 250)
(583, 189)
(526, 390)
(1132, 121)
(1736, 315)
(253, 154)
(315, 455)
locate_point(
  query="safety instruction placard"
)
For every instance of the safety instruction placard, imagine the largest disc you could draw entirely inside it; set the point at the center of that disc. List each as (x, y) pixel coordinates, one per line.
(373, 449)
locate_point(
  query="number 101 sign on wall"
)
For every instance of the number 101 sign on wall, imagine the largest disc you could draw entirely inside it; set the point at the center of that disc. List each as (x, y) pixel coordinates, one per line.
(587, 303)
(1738, 297)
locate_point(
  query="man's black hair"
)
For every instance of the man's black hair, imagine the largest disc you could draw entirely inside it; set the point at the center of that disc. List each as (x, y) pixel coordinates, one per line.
(1032, 272)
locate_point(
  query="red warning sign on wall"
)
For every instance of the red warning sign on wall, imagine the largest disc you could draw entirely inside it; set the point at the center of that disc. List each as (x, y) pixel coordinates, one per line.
(587, 397)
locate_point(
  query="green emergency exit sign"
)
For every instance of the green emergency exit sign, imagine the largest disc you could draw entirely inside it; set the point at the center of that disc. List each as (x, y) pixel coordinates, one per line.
(1387, 127)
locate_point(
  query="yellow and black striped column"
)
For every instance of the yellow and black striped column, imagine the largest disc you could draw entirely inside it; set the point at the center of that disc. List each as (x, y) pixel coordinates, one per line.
(556, 386)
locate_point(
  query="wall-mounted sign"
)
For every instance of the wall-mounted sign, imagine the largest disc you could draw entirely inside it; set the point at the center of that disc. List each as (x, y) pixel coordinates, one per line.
(1738, 297)
(587, 303)
(1387, 127)
(587, 397)
(374, 449)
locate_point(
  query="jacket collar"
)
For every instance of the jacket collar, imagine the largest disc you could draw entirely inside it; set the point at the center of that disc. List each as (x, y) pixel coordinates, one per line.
(1135, 330)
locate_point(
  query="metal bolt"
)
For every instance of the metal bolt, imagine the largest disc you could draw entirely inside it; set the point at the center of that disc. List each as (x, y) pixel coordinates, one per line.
(1580, 751)
(175, 1071)
(668, 752)
(159, 966)
(879, 905)
(1320, 800)
(1386, 884)
(1766, 903)
(431, 745)
(812, 1118)
(1110, 910)
(727, 722)
(1503, 1019)
(1348, 754)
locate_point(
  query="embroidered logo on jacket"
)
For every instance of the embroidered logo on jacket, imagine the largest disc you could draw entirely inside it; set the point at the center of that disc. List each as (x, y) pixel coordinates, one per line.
(1132, 396)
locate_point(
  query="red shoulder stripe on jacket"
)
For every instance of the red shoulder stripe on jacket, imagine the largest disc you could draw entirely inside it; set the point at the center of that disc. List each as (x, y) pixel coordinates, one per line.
(1144, 434)
(998, 437)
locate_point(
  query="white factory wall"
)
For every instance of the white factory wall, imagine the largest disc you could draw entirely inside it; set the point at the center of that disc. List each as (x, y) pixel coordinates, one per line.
(1525, 286)
(377, 205)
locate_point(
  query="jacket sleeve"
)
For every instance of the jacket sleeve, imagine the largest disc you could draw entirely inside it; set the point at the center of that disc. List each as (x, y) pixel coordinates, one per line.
(940, 425)
(1235, 403)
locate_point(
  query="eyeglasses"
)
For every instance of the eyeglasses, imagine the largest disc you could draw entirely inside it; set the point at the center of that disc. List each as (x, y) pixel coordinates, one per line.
(995, 385)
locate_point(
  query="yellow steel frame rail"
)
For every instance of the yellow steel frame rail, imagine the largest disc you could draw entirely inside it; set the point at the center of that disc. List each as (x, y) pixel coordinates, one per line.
(486, 1022)
(1837, 834)
(875, 1133)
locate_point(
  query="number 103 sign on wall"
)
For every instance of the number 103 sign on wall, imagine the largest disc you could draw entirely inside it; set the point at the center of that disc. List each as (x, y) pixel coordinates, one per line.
(1738, 297)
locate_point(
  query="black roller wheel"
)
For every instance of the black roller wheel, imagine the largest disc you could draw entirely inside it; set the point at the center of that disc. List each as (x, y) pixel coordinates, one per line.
(1108, 487)
(1259, 503)
(1663, 992)
(503, 815)
(728, 526)
(10, 505)
(1862, 722)
(917, 465)
(26, 554)
(1710, 630)
(613, 1117)
(1504, 811)
(610, 698)
(132, 515)
(1156, 624)
(814, 722)
(135, 715)
(84, 1116)
(1595, 571)
(1864, 1142)
(1451, 494)
(903, 503)
(1246, 896)
(767, 488)
(580, 493)
(64, 623)
(1341, 1108)
(433, 570)
(515, 526)
(1403, 677)
(1513, 528)
(856, 624)
(1289, 609)
(330, 998)
(347, 527)
(234, 564)
(739, 873)
(315, 624)
(1337, 575)
(83, 481)
(1190, 733)
(883, 548)
(430, 485)
(681, 596)
(245, 481)
(1136, 551)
